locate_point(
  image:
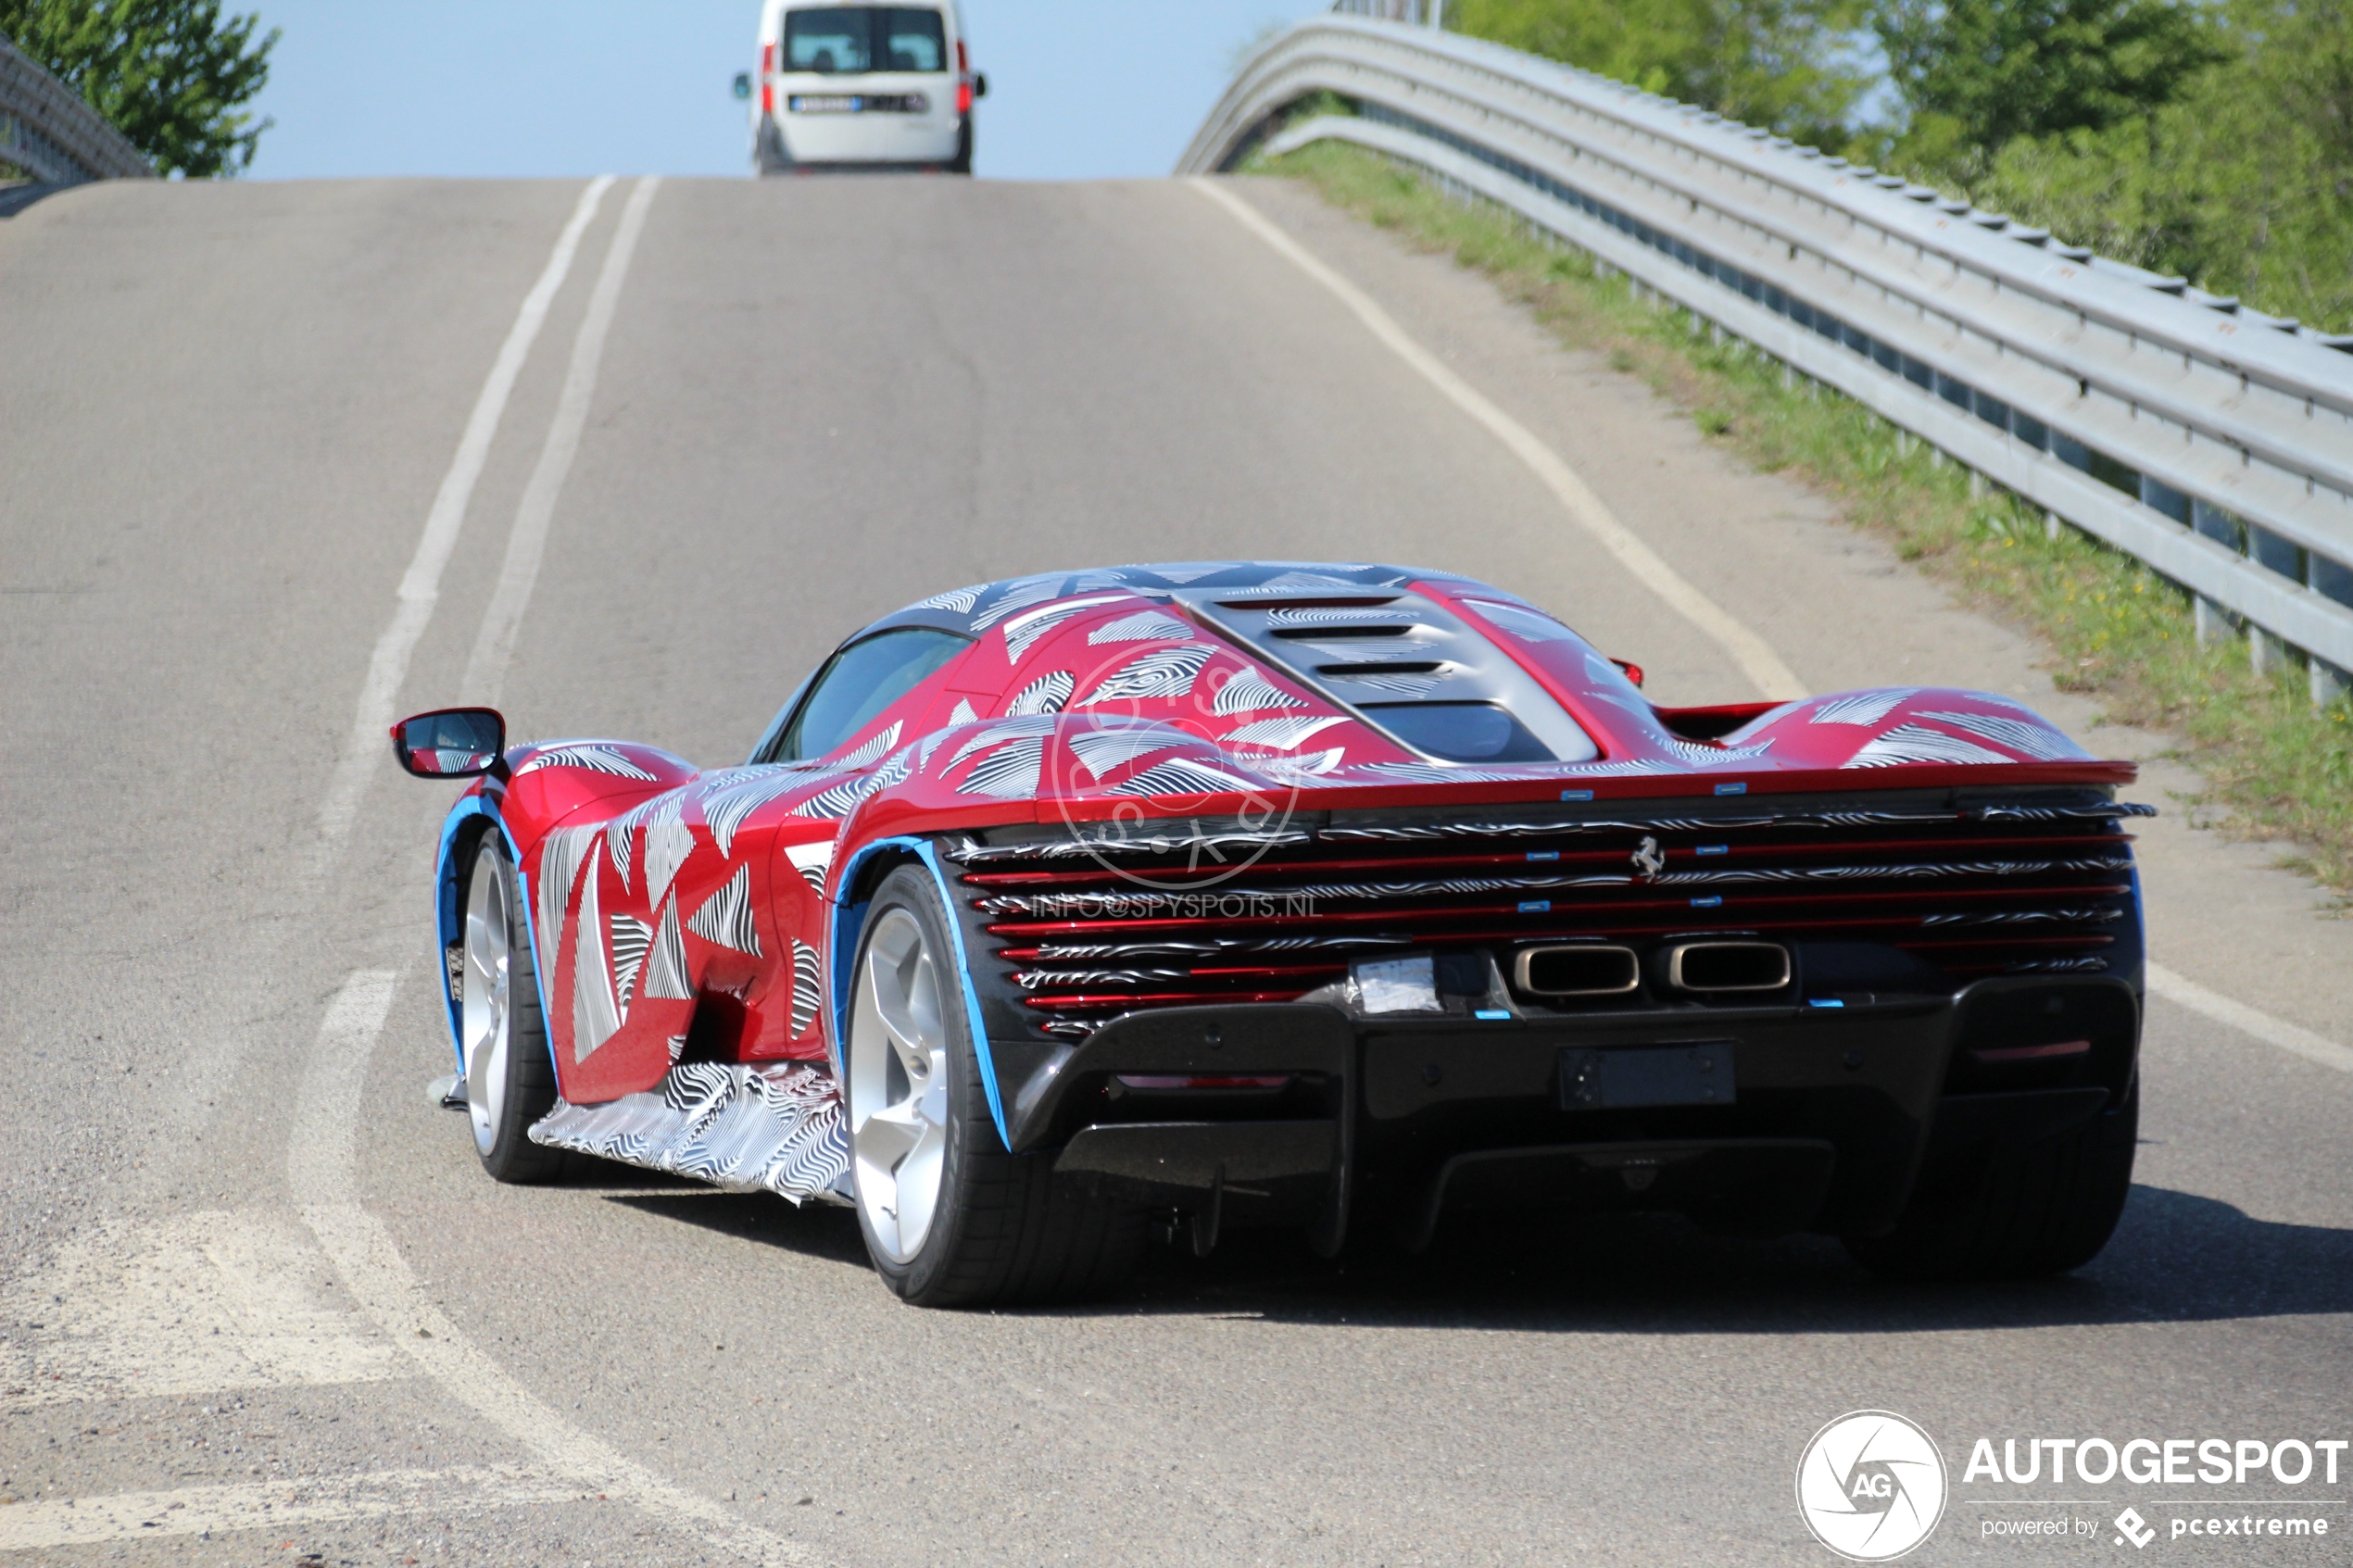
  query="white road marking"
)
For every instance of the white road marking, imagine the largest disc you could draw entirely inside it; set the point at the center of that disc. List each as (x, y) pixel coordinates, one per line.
(318, 1167)
(1755, 656)
(1752, 653)
(388, 665)
(319, 1156)
(2185, 992)
(486, 669)
(189, 1304)
(271, 1505)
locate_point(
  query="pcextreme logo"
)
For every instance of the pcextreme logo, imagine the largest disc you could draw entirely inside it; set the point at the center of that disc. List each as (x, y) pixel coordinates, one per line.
(1871, 1486)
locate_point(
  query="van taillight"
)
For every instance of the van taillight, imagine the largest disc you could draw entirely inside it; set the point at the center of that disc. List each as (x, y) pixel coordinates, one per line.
(767, 79)
(963, 79)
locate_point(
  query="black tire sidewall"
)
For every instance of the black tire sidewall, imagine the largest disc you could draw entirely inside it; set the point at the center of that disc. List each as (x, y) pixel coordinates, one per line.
(529, 1091)
(910, 887)
(2016, 1210)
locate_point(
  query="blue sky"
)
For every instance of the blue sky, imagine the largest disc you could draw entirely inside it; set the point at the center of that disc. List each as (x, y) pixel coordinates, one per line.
(1078, 89)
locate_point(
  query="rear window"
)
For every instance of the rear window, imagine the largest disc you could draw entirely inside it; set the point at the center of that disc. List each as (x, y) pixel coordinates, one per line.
(1459, 732)
(853, 39)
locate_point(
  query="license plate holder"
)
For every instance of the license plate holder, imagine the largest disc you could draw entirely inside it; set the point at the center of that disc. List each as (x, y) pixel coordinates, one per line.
(1689, 1072)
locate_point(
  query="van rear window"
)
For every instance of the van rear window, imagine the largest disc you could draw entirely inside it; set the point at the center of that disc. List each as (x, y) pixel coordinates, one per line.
(853, 40)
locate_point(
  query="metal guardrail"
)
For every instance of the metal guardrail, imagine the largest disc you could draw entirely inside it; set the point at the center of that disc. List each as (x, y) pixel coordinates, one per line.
(1428, 13)
(2210, 441)
(47, 130)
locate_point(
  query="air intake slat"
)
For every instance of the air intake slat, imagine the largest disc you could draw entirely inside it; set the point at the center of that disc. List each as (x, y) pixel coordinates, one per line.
(1691, 856)
(1130, 1000)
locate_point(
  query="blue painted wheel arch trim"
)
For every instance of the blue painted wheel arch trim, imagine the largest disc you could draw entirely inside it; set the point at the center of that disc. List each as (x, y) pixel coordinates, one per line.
(849, 920)
(450, 920)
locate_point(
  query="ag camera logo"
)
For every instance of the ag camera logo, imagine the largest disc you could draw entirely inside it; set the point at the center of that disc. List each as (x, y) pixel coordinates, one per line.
(1871, 1486)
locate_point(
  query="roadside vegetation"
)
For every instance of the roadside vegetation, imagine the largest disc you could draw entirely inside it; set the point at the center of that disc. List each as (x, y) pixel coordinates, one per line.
(171, 75)
(2211, 139)
(2116, 631)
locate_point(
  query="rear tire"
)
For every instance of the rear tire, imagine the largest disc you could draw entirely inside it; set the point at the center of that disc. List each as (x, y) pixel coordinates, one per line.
(2015, 1210)
(510, 1079)
(950, 1217)
(962, 162)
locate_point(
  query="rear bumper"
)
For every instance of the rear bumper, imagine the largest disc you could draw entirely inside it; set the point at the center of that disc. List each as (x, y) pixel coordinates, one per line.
(1829, 1118)
(869, 143)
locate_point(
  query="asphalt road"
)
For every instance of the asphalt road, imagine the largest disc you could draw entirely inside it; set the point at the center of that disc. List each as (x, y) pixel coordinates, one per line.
(257, 1299)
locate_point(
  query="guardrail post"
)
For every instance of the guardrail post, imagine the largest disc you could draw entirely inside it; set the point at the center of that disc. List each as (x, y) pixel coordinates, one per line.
(2329, 684)
(2265, 653)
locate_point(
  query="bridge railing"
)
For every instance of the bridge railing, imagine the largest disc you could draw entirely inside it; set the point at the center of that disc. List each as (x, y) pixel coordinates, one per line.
(47, 130)
(2210, 441)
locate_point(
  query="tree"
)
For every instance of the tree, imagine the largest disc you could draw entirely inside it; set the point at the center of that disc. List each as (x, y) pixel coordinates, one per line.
(171, 75)
(2243, 183)
(1787, 65)
(1977, 73)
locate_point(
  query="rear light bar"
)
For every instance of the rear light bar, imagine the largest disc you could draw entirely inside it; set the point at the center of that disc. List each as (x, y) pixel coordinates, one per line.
(768, 78)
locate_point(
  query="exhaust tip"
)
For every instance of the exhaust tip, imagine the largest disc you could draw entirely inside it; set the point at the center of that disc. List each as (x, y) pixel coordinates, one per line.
(1576, 968)
(1714, 967)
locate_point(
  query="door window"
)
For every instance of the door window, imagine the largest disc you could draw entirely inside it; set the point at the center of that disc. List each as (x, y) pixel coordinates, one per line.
(859, 683)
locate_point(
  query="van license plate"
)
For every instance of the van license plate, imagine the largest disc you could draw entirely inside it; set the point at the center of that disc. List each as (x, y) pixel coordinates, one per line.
(1687, 1074)
(808, 103)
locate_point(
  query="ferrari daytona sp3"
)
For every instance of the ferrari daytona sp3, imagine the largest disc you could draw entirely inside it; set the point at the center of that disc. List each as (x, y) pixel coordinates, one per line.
(1334, 896)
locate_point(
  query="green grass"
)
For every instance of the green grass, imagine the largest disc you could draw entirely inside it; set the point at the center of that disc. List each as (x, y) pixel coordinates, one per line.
(2116, 630)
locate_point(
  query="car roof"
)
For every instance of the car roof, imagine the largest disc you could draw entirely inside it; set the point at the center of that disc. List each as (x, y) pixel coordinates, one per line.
(974, 609)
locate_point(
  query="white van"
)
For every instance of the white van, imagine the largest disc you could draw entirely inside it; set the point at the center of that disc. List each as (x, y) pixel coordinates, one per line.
(849, 86)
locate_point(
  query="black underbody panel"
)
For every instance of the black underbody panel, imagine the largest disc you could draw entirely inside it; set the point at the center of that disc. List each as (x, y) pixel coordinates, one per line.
(1754, 1121)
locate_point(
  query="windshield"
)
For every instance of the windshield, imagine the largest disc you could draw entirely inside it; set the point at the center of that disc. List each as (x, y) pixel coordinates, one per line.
(860, 682)
(851, 39)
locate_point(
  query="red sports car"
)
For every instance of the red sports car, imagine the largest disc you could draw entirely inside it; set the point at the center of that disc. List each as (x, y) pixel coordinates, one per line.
(1342, 898)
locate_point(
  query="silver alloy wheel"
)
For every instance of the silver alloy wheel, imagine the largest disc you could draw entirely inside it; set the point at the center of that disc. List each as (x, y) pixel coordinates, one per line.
(487, 1024)
(898, 1086)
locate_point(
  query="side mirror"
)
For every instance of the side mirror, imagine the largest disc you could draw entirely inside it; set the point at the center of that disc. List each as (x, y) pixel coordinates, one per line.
(1633, 671)
(450, 743)
(980, 84)
(743, 85)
